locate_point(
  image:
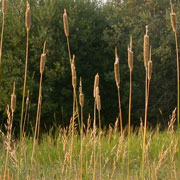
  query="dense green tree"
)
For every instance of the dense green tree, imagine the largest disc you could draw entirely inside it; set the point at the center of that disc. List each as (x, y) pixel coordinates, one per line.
(95, 29)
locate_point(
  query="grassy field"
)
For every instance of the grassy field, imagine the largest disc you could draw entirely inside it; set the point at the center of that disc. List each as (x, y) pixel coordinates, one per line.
(52, 156)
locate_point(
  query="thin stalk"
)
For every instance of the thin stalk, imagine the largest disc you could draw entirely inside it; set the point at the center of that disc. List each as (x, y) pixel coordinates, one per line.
(39, 106)
(22, 108)
(178, 77)
(24, 88)
(81, 154)
(37, 119)
(26, 113)
(120, 111)
(94, 146)
(2, 33)
(69, 49)
(72, 136)
(100, 150)
(145, 123)
(129, 121)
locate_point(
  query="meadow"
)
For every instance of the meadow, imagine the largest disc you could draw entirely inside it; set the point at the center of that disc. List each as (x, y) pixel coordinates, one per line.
(85, 149)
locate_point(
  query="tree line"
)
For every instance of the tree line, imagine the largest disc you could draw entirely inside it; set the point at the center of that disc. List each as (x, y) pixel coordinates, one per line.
(95, 29)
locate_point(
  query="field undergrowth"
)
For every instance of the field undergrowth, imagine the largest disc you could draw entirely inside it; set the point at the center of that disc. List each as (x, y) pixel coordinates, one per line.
(52, 156)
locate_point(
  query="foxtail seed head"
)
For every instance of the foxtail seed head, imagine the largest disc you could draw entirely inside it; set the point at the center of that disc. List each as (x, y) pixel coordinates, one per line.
(150, 64)
(130, 55)
(98, 101)
(73, 71)
(43, 59)
(149, 69)
(4, 6)
(42, 63)
(13, 99)
(65, 20)
(146, 47)
(116, 68)
(81, 99)
(81, 95)
(96, 84)
(28, 16)
(130, 59)
(173, 21)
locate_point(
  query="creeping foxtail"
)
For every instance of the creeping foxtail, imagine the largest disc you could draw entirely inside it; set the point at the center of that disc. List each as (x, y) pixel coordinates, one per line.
(28, 16)
(146, 47)
(65, 20)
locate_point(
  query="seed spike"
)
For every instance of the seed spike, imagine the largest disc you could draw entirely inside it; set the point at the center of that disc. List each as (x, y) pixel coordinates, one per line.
(150, 54)
(28, 16)
(65, 20)
(146, 47)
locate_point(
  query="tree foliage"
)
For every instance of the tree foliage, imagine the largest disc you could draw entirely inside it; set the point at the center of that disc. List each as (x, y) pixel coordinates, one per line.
(95, 29)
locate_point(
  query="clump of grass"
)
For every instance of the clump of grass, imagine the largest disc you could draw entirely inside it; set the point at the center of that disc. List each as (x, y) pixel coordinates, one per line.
(10, 116)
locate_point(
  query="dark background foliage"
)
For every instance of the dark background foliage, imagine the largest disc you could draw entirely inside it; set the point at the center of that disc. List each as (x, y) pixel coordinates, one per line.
(95, 29)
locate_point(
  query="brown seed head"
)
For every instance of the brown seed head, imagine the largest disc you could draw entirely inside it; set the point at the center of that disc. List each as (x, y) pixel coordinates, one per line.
(116, 69)
(43, 59)
(96, 84)
(146, 47)
(81, 99)
(98, 101)
(149, 69)
(42, 63)
(4, 6)
(13, 99)
(81, 95)
(73, 71)
(65, 20)
(173, 21)
(130, 56)
(97, 91)
(28, 16)
(130, 59)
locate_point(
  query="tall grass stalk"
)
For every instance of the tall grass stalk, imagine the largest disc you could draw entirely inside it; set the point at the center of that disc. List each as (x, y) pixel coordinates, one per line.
(94, 149)
(96, 84)
(117, 79)
(174, 27)
(81, 102)
(130, 64)
(98, 102)
(66, 31)
(4, 8)
(37, 126)
(26, 112)
(74, 84)
(27, 25)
